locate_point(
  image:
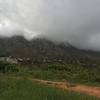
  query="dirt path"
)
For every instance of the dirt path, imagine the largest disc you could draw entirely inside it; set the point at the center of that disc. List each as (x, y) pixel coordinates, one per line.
(94, 91)
(89, 90)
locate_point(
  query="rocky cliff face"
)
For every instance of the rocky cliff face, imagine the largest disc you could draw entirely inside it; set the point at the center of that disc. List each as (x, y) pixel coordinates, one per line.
(45, 50)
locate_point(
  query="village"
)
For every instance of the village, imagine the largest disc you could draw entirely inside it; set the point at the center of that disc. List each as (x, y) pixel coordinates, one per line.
(13, 60)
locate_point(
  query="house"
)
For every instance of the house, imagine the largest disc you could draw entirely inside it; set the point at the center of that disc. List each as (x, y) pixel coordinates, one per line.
(9, 60)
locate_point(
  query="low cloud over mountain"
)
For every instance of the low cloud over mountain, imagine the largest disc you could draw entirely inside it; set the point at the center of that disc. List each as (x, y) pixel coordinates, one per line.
(75, 21)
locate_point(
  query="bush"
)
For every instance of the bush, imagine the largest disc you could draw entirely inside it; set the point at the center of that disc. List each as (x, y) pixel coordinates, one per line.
(7, 68)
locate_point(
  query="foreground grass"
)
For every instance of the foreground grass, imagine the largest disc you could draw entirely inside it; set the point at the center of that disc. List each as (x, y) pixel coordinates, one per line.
(23, 89)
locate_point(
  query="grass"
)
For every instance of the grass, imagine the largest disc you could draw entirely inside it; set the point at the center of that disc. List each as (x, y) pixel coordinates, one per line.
(55, 72)
(57, 75)
(23, 89)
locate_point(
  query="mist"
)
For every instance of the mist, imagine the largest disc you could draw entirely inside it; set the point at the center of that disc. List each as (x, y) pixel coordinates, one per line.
(74, 21)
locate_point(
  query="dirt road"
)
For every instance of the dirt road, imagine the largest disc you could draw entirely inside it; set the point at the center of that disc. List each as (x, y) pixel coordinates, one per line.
(94, 91)
(89, 90)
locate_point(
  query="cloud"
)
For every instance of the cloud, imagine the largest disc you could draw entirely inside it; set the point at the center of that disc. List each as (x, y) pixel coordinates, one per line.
(75, 21)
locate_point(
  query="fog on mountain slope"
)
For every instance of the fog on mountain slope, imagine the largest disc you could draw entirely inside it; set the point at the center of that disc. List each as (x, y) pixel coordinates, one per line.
(75, 21)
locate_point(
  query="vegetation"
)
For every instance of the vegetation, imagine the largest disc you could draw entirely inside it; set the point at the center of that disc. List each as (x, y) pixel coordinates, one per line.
(65, 72)
(8, 68)
(43, 59)
(14, 83)
(23, 89)
(58, 72)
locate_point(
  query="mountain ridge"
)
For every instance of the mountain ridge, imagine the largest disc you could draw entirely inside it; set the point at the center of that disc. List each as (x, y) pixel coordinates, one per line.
(45, 49)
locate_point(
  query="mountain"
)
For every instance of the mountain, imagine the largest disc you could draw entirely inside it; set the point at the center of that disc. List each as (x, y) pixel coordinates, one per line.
(46, 50)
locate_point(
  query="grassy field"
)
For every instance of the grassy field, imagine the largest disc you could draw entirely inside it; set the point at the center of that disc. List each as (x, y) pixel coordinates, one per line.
(56, 72)
(23, 89)
(71, 73)
(12, 88)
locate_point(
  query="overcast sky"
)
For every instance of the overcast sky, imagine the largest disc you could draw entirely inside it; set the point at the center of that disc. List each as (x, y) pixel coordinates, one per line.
(75, 21)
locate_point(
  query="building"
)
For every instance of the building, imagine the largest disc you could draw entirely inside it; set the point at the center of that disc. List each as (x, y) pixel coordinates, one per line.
(9, 60)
